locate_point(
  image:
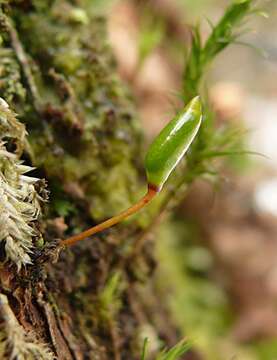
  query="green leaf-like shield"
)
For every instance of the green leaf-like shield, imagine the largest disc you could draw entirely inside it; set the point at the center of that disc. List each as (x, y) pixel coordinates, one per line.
(172, 143)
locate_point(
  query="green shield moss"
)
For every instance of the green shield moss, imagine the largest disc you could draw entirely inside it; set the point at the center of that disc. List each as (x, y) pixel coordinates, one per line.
(172, 143)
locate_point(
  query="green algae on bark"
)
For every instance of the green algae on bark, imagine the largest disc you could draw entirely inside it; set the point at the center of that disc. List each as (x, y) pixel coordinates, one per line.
(86, 121)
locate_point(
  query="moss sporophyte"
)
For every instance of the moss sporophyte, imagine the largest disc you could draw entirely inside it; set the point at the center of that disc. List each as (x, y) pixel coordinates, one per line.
(161, 159)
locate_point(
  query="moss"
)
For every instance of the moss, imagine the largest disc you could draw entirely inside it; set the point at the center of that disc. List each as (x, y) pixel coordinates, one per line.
(11, 87)
(87, 132)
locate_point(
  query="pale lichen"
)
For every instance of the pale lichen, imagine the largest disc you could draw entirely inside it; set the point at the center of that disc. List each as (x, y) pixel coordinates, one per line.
(19, 200)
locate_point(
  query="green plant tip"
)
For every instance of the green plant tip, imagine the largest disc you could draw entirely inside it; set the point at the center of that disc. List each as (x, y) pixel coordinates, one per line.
(172, 143)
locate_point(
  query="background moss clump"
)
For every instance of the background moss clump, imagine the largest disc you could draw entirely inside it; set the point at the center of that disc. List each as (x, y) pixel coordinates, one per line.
(83, 132)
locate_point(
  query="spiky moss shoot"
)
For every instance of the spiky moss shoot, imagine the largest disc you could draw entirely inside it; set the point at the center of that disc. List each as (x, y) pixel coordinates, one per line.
(19, 200)
(223, 34)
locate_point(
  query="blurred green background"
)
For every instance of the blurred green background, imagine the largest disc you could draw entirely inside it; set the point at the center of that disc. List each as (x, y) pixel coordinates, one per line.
(217, 253)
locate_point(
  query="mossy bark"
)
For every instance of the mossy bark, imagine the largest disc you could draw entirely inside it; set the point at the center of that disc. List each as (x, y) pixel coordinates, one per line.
(57, 72)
